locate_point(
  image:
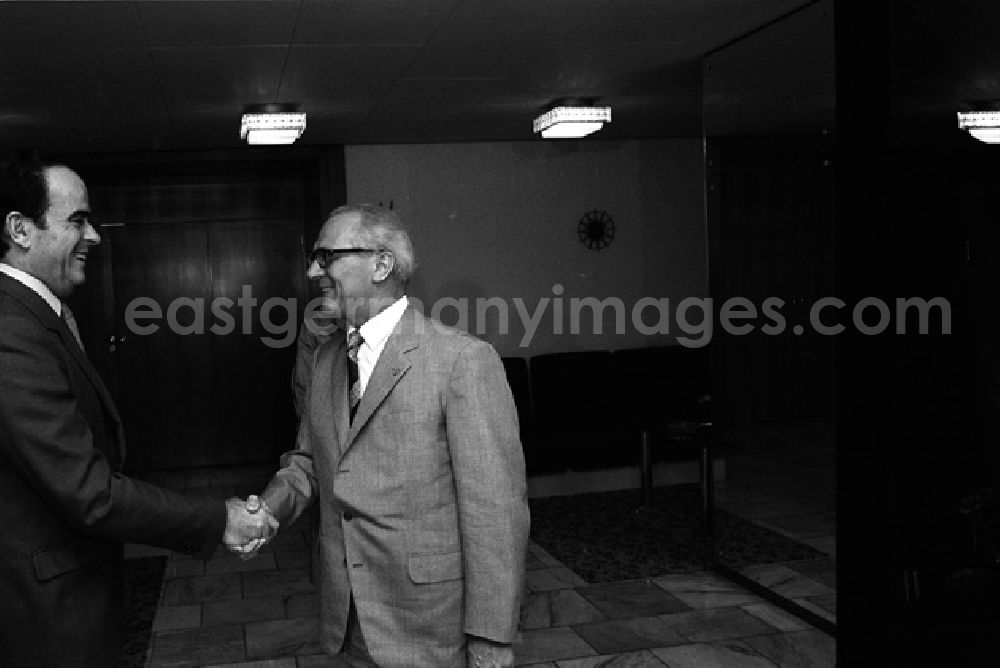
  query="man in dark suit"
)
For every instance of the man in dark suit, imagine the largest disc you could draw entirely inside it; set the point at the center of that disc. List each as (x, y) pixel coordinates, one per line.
(65, 507)
(409, 438)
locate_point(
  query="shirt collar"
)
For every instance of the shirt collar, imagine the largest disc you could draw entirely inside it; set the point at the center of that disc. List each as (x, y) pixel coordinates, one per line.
(377, 329)
(32, 282)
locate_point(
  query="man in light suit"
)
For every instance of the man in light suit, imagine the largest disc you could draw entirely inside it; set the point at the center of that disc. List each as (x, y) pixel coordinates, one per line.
(65, 507)
(315, 330)
(424, 514)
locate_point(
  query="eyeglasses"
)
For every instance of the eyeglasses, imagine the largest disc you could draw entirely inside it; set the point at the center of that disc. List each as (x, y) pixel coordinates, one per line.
(324, 257)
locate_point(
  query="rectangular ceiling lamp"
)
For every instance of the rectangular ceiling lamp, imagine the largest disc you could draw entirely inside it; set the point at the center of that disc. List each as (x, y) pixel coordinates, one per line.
(571, 122)
(983, 125)
(272, 128)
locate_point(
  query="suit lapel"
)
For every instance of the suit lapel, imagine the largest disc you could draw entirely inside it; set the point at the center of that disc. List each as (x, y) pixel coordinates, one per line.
(88, 369)
(95, 379)
(329, 392)
(392, 365)
(34, 303)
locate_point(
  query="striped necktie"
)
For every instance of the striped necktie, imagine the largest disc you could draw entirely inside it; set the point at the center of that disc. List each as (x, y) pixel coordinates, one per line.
(70, 320)
(354, 341)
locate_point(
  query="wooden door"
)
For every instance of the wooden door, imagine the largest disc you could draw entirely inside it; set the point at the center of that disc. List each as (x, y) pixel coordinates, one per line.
(165, 378)
(198, 227)
(252, 366)
(206, 382)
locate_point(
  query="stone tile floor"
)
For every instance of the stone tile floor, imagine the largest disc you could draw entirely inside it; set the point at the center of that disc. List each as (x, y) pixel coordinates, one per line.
(263, 612)
(227, 612)
(783, 478)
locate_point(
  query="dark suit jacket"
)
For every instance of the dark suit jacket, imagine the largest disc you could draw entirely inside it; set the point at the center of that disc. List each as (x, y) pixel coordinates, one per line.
(424, 513)
(65, 508)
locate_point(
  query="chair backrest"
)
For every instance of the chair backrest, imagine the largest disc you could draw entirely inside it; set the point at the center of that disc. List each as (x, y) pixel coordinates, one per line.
(573, 389)
(662, 383)
(517, 377)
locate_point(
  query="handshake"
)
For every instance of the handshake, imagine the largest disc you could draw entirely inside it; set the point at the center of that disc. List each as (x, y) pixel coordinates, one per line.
(249, 526)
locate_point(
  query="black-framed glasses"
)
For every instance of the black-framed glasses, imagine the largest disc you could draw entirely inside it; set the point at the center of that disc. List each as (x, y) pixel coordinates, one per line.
(324, 257)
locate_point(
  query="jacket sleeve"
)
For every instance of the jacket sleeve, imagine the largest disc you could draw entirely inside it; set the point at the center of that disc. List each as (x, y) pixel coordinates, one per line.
(294, 486)
(48, 442)
(305, 349)
(488, 465)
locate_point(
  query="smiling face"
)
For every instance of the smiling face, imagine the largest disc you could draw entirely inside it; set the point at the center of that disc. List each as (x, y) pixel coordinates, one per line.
(58, 251)
(346, 282)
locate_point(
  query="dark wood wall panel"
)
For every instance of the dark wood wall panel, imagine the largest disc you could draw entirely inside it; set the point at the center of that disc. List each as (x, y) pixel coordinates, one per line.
(252, 366)
(166, 388)
(199, 227)
(199, 202)
(771, 226)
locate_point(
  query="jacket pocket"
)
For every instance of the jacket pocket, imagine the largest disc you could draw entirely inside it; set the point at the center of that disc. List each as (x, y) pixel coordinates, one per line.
(66, 557)
(425, 568)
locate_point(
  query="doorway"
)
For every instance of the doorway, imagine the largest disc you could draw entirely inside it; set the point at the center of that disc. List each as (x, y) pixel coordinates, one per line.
(192, 305)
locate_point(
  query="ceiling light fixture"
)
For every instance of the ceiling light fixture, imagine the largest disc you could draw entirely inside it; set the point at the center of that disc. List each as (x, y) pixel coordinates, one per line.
(272, 124)
(983, 125)
(571, 122)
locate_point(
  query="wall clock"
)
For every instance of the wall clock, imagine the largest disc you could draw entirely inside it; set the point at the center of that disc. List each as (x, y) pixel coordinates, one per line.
(596, 229)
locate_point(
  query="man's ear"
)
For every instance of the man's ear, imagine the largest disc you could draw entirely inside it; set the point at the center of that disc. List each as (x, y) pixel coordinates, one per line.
(18, 228)
(385, 262)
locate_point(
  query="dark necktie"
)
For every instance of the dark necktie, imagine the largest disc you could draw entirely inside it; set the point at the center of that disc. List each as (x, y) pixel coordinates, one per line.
(70, 320)
(354, 341)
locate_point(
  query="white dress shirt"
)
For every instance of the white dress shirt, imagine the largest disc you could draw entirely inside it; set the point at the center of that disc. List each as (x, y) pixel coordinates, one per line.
(374, 334)
(33, 283)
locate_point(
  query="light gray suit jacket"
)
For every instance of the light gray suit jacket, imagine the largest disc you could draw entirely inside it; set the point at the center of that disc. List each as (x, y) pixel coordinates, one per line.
(423, 503)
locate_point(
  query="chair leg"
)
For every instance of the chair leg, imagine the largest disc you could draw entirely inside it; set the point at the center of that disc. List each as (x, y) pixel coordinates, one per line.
(646, 471)
(707, 484)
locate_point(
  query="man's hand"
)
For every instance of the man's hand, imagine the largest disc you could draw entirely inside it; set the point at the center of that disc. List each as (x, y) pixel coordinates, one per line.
(488, 654)
(248, 526)
(256, 505)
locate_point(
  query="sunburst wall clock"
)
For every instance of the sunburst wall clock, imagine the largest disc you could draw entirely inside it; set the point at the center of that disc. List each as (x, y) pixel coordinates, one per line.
(596, 229)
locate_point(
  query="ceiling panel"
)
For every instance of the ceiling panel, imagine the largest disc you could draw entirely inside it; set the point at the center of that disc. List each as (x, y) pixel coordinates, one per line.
(948, 52)
(332, 125)
(673, 116)
(473, 60)
(70, 103)
(783, 74)
(588, 69)
(121, 133)
(943, 58)
(323, 66)
(370, 21)
(516, 20)
(113, 118)
(698, 24)
(200, 130)
(40, 106)
(57, 25)
(431, 95)
(218, 23)
(225, 76)
(376, 70)
(35, 65)
(426, 108)
(332, 94)
(447, 125)
(129, 100)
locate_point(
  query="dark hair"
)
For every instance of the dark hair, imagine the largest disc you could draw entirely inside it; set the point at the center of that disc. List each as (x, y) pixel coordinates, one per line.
(23, 188)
